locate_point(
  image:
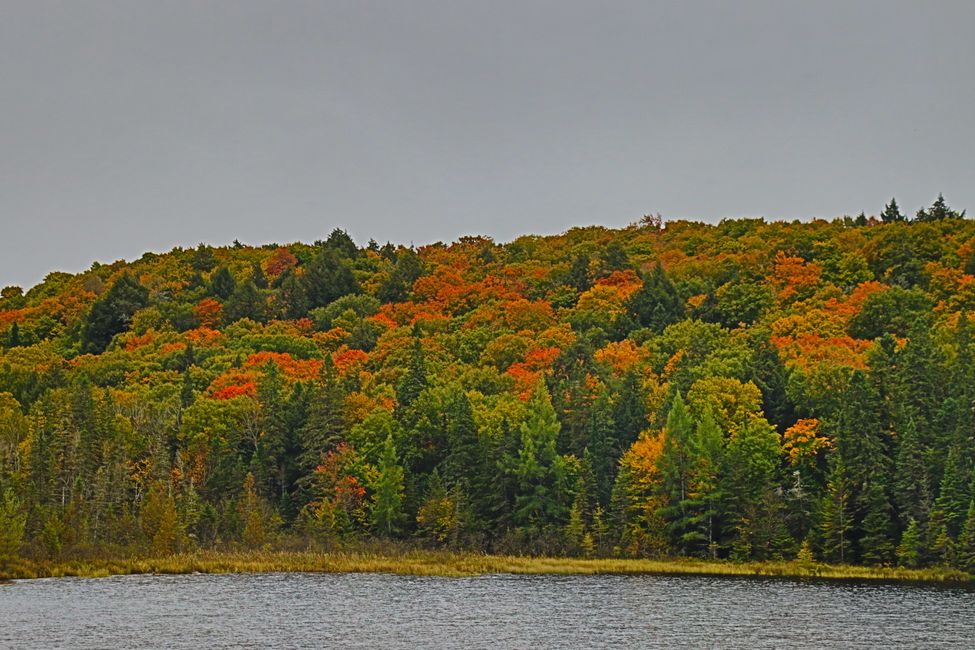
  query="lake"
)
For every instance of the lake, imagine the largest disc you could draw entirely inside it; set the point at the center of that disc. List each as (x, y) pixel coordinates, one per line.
(494, 611)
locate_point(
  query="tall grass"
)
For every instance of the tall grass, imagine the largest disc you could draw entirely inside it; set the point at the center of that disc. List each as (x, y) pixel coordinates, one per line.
(447, 564)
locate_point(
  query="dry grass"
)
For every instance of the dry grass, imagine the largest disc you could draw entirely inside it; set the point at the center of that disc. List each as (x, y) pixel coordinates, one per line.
(430, 563)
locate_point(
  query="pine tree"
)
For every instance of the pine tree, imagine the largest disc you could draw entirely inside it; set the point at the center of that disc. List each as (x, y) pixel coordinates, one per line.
(705, 487)
(387, 503)
(327, 278)
(938, 211)
(953, 496)
(540, 501)
(222, 284)
(910, 551)
(876, 546)
(836, 521)
(629, 411)
(676, 471)
(13, 337)
(112, 313)
(257, 276)
(912, 494)
(245, 302)
(966, 541)
(603, 447)
(250, 510)
(892, 212)
(12, 525)
(655, 305)
(579, 273)
(415, 379)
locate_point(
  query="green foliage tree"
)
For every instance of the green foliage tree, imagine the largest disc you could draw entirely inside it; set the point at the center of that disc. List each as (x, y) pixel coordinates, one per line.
(387, 499)
(892, 212)
(222, 284)
(112, 313)
(13, 520)
(938, 211)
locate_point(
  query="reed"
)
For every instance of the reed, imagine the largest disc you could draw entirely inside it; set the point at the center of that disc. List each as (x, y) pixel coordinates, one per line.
(448, 564)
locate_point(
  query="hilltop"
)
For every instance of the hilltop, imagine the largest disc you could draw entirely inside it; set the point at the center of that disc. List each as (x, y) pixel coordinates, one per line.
(745, 390)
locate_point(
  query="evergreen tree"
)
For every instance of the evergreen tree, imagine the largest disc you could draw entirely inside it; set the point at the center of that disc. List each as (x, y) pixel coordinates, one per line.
(912, 493)
(614, 258)
(327, 278)
(12, 525)
(245, 302)
(112, 313)
(254, 533)
(752, 500)
(892, 212)
(603, 447)
(13, 337)
(222, 283)
(876, 546)
(705, 487)
(953, 497)
(415, 379)
(910, 551)
(966, 542)
(676, 472)
(629, 411)
(655, 305)
(387, 513)
(325, 425)
(541, 499)
(257, 276)
(579, 273)
(836, 522)
(938, 211)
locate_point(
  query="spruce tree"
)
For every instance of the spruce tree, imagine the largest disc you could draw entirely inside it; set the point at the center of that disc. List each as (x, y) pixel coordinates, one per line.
(415, 379)
(836, 522)
(579, 273)
(892, 212)
(911, 551)
(387, 512)
(912, 492)
(939, 211)
(222, 283)
(603, 447)
(876, 546)
(676, 469)
(953, 497)
(655, 305)
(705, 484)
(966, 542)
(541, 473)
(629, 411)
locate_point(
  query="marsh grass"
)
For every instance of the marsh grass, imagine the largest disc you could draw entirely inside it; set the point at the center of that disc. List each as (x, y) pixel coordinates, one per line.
(445, 564)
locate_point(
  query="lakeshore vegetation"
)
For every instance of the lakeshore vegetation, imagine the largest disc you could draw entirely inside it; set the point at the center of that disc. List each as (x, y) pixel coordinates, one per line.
(750, 397)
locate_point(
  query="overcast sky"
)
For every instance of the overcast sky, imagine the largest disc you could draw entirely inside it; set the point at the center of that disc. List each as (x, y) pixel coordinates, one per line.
(134, 126)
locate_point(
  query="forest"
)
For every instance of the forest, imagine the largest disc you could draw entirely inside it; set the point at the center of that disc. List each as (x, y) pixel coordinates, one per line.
(747, 390)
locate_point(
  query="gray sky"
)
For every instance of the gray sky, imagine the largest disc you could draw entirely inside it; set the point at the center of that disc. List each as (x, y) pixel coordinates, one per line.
(134, 126)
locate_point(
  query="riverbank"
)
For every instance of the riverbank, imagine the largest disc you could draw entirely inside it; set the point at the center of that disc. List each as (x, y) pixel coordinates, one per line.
(430, 563)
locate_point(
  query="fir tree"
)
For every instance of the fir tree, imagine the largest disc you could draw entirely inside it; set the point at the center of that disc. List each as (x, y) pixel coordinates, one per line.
(939, 211)
(222, 284)
(910, 551)
(387, 503)
(876, 546)
(892, 212)
(966, 541)
(836, 521)
(415, 379)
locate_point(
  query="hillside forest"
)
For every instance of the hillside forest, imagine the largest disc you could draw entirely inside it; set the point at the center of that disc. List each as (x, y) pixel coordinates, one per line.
(741, 390)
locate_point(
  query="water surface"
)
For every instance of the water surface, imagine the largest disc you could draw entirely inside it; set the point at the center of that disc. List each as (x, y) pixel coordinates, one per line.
(496, 611)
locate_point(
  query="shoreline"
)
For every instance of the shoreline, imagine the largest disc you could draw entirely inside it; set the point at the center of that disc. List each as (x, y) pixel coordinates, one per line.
(445, 564)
